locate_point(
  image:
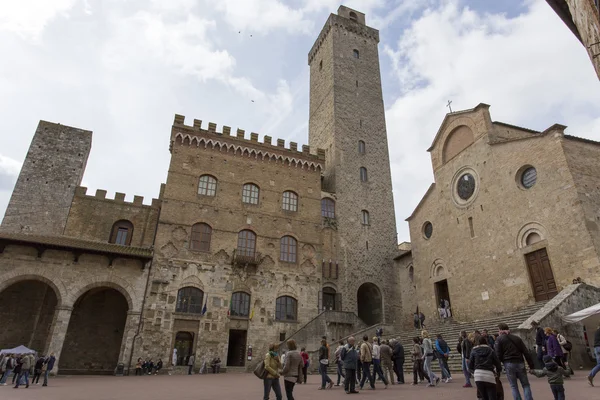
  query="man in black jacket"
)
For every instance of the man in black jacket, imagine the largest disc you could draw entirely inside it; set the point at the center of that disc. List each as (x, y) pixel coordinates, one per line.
(540, 341)
(398, 360)
(511, 350)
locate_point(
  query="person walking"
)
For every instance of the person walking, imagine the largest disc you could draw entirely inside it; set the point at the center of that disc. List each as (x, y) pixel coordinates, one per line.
(490, 338)
(26, 365)
(50, 361)
(349, 356)
(338, 361)
(326, 381)
(366, 358)
(37, 370)
(511, 351)
(416, 320)
(306, 362)
(386, 354)
(190, 363)
(5, 368)
(417, 359)
(553, 347)
(378, 334)
(292, 369)
(428, 358)
(272, 366)
(540, 341)
(377, 371)
(465, 351)
(422, 319)
(595, 370)
(398, 359)
(485, 366)
(564, 344)
(17, 368)
(443, 350)
(555, 375)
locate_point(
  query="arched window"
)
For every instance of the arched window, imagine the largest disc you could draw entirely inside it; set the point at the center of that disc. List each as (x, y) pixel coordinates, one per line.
(353, 16)
(189, 300)
(207, 186)
(288, 248)
(290, 201)
(246, 243)
(365, 217)
(240, 304)
(363, 174)
(286, 309)
(121, 233)
(327, 208)
(356, 53)
(200, 240)
(250, 193)
(361, 147)
(411, 273)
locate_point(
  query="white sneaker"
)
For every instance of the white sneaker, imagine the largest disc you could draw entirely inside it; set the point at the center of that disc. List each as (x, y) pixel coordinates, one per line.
(446, 380)
(450, 379)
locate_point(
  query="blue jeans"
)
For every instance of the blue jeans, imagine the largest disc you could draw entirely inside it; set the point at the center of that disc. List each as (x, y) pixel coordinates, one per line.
(340, 372)
(445, 372)
(272, 383)
(514, 372)
(46, 378)
(597, 367)
(378, 371)
(5, 376)
(558, 391)
(466, 372)
(325, 379)
(366, 367)
(429, 369)
(23, 375)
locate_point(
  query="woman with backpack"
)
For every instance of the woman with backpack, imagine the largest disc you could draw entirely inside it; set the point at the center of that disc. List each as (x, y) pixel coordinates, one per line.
(485, 367)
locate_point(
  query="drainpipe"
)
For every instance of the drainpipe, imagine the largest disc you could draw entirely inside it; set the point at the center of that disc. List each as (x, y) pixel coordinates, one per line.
(141, 322)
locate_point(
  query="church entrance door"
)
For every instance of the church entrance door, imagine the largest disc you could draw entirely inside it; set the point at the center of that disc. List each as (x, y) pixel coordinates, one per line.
(540, 272)
(184, 343)
(442, 293)
(236, 353)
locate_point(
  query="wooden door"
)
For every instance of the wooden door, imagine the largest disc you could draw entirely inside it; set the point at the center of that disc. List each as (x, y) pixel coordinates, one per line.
(542, 278)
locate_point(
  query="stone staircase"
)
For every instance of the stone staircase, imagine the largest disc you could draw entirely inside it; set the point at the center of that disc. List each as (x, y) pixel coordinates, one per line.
(450, 331)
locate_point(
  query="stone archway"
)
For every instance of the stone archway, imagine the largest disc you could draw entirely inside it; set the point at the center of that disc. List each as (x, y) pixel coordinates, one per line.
(93, 341)
(26, 314)
(369, 304)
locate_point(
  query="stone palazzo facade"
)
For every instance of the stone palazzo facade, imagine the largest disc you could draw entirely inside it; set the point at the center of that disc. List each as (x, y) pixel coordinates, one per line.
(247, 242)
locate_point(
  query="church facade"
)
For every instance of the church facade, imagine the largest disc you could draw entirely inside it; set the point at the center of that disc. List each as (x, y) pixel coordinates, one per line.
(247, 242)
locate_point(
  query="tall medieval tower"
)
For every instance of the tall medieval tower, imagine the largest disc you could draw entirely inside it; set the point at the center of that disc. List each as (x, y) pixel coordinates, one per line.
(347, 119)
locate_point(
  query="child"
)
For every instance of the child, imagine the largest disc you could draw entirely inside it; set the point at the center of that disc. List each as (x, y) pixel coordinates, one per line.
(555, 377)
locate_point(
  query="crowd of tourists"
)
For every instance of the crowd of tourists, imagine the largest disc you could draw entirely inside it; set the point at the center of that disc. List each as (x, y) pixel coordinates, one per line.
(23, 366)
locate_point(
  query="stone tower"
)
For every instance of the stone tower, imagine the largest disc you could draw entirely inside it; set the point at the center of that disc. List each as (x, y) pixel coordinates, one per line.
(52, 169)
(347, 119)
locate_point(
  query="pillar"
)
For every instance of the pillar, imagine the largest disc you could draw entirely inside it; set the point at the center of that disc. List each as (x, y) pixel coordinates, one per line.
(131, 327)
(62, 316)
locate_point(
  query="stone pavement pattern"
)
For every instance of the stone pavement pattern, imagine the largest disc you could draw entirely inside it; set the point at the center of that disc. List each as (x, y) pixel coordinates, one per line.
(247, 386)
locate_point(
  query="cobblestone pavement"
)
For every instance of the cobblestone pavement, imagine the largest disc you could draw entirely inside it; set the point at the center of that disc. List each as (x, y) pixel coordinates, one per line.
(247, 386)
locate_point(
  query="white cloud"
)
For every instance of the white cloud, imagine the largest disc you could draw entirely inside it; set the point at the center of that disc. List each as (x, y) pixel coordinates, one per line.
(529, 68)
(28, 18)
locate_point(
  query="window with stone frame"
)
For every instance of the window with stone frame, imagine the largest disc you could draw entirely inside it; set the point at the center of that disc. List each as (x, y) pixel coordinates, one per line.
(365, 217)
(327, 208)
(356, 53)
(240, 305)
(201, 236)
(290, 201)
(189, 300)
(288, 249)
(207, 185)
(363, 174)
(286, 309)
(361, 147)
(246, 245)
(121, 233)
(250, 193)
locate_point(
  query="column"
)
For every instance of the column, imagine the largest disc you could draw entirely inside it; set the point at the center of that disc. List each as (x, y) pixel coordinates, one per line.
(58, 333)
(127, 344)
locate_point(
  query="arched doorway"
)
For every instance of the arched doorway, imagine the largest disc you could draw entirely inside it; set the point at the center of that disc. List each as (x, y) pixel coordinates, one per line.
(93, 341)
(369, 304)
(26, 313)
(184, 343)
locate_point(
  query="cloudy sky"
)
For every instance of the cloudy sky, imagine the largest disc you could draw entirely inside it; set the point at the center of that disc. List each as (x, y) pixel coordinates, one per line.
(123, 68)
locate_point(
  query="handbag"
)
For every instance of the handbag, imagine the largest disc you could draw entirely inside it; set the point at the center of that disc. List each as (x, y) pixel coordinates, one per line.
(260, 371)
(568, 346)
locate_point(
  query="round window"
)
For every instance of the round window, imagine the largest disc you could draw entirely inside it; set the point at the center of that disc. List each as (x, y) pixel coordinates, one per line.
(529, 177)
(465, 187)
(427, 230)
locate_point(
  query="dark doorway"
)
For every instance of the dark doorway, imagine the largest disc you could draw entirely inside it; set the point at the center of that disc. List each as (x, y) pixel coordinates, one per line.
(369, 304)
(95, 333)
(542, 278)
(330, 300)
(184, 343)
(442, 293)
(26, 313)
(236, 353)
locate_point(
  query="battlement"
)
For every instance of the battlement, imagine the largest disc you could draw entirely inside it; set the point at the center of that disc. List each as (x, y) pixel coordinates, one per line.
(267, 150)
(138, 201)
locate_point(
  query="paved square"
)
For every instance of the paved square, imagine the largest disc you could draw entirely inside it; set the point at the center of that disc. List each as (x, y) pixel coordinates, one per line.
(247, 386)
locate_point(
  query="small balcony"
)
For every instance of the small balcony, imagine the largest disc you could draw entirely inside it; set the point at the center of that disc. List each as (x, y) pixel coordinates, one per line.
(246, 260)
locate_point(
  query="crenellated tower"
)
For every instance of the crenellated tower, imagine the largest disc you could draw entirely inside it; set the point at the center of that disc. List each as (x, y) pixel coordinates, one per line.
(347, 119)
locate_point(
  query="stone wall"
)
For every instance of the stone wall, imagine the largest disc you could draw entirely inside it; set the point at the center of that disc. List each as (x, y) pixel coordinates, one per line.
(586, 17)
(52, 169)
(407, 290)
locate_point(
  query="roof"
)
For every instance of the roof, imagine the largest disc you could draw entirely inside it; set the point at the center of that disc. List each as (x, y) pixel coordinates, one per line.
(452, 114)
(431, 187)
(580, 139)
(515, 127)
(75, 245)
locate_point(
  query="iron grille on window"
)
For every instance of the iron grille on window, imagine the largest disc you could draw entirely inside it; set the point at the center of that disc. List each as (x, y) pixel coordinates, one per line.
(189, 300)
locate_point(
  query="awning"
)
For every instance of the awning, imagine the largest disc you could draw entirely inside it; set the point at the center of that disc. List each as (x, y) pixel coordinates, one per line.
(589, 315)
(18, 350)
